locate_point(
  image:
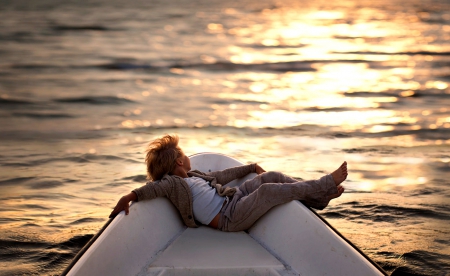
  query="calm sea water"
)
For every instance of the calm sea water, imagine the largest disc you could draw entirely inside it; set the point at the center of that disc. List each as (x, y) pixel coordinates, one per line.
(297, 86)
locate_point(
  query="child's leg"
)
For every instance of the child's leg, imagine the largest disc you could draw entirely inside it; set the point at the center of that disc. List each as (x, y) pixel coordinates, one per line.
(255, 197)
(268, 177)
(276, 177)
(248, 209)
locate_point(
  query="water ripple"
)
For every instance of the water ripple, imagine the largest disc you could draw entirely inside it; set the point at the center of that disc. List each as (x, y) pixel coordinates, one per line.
(85, 158)
(386, 213)
(98, 100)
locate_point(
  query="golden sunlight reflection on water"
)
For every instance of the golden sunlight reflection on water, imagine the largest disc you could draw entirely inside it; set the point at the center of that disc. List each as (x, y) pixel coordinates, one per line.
(296, 87)
(347, 120)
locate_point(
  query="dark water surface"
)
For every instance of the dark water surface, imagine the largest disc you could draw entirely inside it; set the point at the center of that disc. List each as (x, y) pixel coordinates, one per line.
(297, 86)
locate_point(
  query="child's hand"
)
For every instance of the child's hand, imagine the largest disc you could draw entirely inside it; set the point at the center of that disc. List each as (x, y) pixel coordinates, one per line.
(258, 169)
(123, 204)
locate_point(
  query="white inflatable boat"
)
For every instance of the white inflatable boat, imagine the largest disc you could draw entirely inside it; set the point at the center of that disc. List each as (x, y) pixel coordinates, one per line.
(290, 239)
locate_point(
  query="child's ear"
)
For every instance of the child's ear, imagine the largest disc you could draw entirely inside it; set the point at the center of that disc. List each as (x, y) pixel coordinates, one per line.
(179, 161)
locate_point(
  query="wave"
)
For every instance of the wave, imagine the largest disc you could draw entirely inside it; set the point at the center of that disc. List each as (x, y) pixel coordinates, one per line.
(385, 213)
(15, 181)
(125, 66)
(30, 225)
(33, 183)
(22, 244)
(80, 28)
(236, 101)
(304, 129)
(328, 109)
(400, 94)
(86, 220)
(6, 220)
(111, 184)
(43, 115)
(13, 102)
(46, 184)
(30, 66)
(414, 263)
(281, 46)
(47, 255)
(94, 100)
(444, 77)
(426, 191)
(21, 37)
(294, 66)
(140, 178)
(136, 178)
(420, 134)
(422, 261)
(111, 66)
(360, 150)
(400, 129)
(36, 135)
(85, 158)
(132, 64)
(77, 241)
(412, 53)
(33, 206)
(95, 157)
(41, 196)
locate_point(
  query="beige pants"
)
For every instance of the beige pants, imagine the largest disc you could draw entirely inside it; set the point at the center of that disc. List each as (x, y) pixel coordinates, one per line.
(256, 196)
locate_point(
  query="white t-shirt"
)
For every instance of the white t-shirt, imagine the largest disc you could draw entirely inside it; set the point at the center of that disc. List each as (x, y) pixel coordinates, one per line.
(207, 203)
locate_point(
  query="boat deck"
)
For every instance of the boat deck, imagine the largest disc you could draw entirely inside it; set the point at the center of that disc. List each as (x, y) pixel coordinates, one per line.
(216, 253)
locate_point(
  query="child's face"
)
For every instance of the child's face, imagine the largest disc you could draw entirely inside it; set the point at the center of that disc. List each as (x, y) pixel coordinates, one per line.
(186, 163)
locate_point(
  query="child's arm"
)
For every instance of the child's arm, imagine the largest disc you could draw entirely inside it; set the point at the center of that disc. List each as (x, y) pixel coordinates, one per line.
(123, 204)
(258, 169)
(228, 175)
(145, 192)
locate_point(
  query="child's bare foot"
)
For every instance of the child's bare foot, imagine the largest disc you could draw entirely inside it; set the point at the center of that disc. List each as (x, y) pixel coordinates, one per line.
(340, 174)
(338, 194)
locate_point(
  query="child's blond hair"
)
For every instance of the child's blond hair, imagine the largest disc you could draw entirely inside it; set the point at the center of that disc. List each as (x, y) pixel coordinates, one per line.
(161, 156)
